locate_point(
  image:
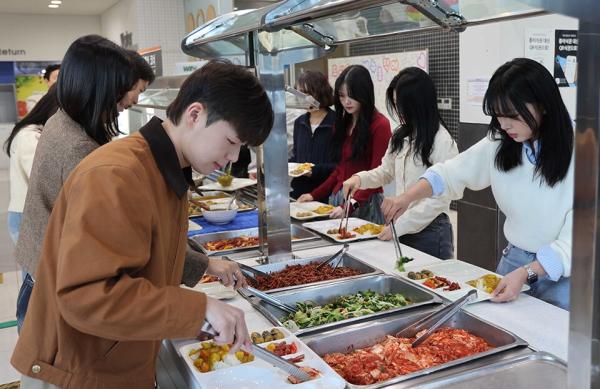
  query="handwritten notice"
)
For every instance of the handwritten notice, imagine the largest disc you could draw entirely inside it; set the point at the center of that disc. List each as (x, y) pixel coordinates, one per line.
(383, 68)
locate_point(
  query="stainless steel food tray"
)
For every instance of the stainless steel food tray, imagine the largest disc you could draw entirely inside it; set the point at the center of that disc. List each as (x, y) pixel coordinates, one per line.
(346, 261)
(367, 334)
(197, 241)
(534, 370)
(322, 294)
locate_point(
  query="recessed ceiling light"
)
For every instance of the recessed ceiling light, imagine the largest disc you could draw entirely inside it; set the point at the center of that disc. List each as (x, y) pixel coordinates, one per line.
(56, 2)
(52, 5)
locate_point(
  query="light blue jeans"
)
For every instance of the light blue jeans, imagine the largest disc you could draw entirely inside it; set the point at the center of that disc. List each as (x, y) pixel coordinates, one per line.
(555, 293)
(14, 224)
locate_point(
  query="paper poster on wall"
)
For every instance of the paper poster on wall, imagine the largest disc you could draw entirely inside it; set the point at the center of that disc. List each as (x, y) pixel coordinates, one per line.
(29, 84)
(476, 88)
(539, 46)
(565, 57)
(153, 55)
(383, 68)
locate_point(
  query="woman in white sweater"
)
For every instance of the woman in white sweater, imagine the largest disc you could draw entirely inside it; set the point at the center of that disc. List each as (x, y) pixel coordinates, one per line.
(20, 147)
(419, 142)
(527, 159)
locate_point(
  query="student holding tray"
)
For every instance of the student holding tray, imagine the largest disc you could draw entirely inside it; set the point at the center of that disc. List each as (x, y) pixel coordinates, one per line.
(527, 159)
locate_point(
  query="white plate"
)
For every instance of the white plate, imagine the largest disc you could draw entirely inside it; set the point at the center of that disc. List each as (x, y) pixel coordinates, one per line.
(216, 290)
(259, 374)
(308, 206)
(322, 226)
(236, 183)
(455, 271)
(293, 165)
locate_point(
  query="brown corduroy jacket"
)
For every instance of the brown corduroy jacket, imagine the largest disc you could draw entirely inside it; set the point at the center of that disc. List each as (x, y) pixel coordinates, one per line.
(107, 288)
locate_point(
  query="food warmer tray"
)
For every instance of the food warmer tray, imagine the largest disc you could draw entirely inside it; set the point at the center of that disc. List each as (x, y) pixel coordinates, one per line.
(346, 261)
(197, 241)
(534, 370)
(368, 333)
(321, 294)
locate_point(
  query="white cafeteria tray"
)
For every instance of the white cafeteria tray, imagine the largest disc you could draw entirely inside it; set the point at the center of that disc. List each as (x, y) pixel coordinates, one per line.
(324, 225)
(308, 206)
(236, 183)
(455, 271)
(293, 165)
(259, 374)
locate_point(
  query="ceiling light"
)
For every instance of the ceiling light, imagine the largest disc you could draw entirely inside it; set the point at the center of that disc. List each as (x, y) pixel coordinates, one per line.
(52, 5)
(56, 2)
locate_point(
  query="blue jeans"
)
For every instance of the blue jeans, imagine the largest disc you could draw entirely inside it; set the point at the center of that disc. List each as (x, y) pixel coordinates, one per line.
(14, 224)
(436, 239)
(555, 293)
(23, 299)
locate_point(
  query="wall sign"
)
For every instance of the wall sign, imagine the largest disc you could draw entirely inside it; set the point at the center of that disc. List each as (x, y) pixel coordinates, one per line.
(13, 52)
(565, 57)
(153, 55)
(539, 46)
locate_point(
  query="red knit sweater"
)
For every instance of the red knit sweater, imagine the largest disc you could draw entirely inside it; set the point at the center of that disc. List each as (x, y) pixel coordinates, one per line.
(381, 133)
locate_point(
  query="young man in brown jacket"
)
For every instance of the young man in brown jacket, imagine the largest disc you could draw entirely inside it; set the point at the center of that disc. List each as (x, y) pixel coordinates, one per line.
(107, 288)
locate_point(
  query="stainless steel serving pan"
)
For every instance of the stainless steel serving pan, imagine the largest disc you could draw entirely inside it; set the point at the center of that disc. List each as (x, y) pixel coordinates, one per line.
(197, 241)
(534, 370)
(322, 294)
(367, 334)
(346, 261)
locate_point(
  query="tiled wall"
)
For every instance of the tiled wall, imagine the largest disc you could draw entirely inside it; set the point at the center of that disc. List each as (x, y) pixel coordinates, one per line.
(161, 22)
(443, 63)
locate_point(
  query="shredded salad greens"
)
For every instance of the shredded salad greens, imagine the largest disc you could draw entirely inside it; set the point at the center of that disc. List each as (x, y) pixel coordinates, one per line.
(310, 314)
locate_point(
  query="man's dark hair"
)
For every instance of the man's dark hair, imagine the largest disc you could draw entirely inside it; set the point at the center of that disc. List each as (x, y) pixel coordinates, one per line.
(316, 84)
(39, 114)
(228, 92)
(49, 69)
(143, 70)
(96, 74)
(512, 86)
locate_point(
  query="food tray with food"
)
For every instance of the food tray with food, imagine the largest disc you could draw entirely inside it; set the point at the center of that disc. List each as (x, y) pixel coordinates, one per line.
(368, 355)
(317, 312)
(236, 184)
(229, 241)
(195, 208)
(358, 229)
(299, 169)
(213, 367)
(310, 210)
(302, 272)
(532, 370)
(453, 278)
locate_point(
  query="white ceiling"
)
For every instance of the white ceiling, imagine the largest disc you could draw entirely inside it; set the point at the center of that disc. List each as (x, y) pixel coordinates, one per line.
(68, 7)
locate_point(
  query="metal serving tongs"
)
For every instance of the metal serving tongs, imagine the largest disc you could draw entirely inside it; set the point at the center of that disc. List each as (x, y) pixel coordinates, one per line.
(248, 269)
(338, 254)
(397, 247)
(433, 321)
(271, 300)
(208, 332)
(345, 214)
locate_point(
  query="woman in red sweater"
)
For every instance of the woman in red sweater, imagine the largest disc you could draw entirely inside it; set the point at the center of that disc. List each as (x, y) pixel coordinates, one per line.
(361, 138)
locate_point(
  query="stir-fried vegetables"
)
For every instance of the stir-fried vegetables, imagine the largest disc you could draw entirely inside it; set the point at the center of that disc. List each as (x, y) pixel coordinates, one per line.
(310, 314)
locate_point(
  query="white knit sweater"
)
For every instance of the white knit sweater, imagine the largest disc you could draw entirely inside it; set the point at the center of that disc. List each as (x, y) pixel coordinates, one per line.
(406, 170)
(536, 214)
(22, 151)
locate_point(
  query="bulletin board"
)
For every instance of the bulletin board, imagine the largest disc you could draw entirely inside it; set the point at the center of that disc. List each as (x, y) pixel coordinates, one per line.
(383, 68)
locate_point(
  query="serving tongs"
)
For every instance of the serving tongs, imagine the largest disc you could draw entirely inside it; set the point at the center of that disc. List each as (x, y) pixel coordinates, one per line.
(434, 320)
(397, 247)
(208, 332)
(338, 254)
(271, 300)
(248, 269)
(345, 214)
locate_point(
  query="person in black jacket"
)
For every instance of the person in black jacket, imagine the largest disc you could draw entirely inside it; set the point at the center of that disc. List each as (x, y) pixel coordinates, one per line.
(313, 133)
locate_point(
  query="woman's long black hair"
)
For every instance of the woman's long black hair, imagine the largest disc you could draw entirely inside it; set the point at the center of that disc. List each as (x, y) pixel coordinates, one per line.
(360, 88)
(39, 114)
(95, 74)
(517, 83)
(412, 97)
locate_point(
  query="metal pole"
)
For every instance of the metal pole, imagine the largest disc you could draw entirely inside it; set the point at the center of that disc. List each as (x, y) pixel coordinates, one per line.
(584, 356)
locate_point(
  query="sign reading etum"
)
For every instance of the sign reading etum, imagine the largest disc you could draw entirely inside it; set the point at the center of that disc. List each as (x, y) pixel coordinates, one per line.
(383, 68)
(12, 52)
